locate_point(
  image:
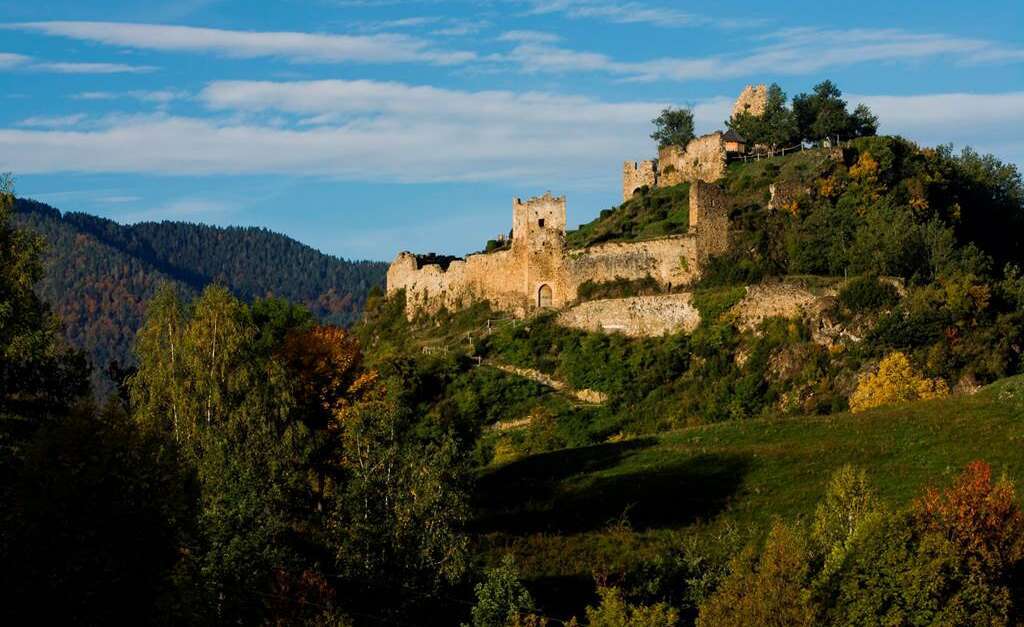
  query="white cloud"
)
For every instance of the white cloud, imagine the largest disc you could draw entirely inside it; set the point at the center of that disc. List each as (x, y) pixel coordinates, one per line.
(59, 121)
(529, 36)
(619, 12)
(380, 131)
(989, 122)
(793, 51)
(295, 46)
(92, 68)
(160, 97)
(9, 59)
(13, 61)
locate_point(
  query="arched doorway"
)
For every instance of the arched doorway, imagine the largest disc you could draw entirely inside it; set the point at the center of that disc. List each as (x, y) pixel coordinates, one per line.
(544, 297)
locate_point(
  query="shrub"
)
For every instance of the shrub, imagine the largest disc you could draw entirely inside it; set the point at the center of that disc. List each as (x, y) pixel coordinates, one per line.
(501, 599)
(618, 288)
(895, 382)
(614, 611)
(769, 589)
(867, 293)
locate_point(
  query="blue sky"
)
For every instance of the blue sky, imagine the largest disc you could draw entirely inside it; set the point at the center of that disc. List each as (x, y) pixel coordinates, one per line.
(366, 127)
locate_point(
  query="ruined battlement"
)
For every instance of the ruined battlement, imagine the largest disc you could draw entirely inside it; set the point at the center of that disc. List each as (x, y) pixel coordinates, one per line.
(702, 159)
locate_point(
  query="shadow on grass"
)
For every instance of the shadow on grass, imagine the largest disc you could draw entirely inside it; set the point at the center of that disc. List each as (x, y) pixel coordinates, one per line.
(558, 492)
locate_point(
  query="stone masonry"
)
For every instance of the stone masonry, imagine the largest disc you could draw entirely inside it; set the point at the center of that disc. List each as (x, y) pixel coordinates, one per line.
(752, 100)
(702, 159)
(539, 271)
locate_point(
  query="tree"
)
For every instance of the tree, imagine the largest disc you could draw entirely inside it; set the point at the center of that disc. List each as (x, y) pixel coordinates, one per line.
(102, 529)
(501, 598)
(39, 376)
(895, 382)
(775, 128)
(404, 504)
(863, 123)
(674, 127)
(766, 589)
(954, 559)
(823, 114)
(848, 501)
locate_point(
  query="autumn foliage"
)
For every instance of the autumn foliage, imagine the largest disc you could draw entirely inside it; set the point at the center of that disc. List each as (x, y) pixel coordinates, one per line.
(981, 518)
(895, 382)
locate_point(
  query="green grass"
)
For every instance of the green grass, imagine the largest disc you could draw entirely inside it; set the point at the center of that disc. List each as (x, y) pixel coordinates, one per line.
(651, 214)
(568, 513)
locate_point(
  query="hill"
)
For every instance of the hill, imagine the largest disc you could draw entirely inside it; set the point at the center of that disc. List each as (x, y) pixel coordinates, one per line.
(99, 274)
(609, 508)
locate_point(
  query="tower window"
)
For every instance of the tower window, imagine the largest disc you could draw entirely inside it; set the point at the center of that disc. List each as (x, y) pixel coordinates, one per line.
(540, 222)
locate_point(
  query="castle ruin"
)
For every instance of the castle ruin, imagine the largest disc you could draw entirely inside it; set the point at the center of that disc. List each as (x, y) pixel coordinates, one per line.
(539, 271)
(703, 159)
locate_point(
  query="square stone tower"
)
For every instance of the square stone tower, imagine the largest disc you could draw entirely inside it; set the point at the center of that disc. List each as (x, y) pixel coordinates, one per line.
(538, 244)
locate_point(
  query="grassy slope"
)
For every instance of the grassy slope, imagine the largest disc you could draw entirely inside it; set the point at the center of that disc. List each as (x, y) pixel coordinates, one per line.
(559, 511)
(657, 213)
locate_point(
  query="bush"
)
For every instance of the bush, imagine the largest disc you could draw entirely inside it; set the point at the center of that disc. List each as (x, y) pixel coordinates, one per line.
(895, 382)
(766, 590)
(501, 599)
(616, 612)
(867, 293)
(618, 288)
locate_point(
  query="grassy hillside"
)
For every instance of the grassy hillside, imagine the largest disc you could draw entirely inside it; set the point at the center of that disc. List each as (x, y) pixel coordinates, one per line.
(606, 508)
(651, 213)
(99, 274)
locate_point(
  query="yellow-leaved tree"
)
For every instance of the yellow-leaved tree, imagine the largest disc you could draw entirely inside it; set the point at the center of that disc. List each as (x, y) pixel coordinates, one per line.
(895, 382)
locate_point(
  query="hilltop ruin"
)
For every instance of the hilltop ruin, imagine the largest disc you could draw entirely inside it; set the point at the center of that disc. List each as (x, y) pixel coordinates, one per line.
(537, 270)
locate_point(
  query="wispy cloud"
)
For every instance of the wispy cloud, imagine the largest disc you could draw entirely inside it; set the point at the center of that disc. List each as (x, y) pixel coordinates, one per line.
(529, 36)
(664, 15)
(58, 121)
(294, 46)
(93, 68)
(160, 97)
(11, 61)
(792, 51)
(357, 130)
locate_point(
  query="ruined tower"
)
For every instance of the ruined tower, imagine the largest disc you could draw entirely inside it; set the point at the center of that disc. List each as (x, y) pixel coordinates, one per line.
(538, 240)
(752, 100)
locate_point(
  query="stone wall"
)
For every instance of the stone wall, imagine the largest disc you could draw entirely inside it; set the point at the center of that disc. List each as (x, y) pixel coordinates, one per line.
(636, 174)
(752, 100)
(702, 160)
(709, 219)
(671, 261)
(637, 316)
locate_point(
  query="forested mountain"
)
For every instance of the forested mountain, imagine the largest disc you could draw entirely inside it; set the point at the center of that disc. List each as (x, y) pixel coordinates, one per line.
(100, 274)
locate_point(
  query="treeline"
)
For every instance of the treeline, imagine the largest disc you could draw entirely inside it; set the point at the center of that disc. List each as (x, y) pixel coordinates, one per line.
(250, 471)
(99, 274)
(812, 117)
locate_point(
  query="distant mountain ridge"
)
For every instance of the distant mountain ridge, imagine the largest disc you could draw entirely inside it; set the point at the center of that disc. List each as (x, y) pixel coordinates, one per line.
(99, 273)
